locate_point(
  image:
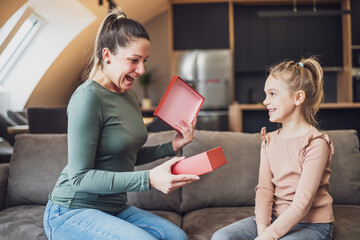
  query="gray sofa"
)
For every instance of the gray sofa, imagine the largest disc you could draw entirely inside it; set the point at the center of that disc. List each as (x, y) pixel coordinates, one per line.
(217, 199)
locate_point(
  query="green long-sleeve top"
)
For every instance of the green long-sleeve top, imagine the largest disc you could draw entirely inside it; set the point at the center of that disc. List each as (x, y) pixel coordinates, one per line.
(106, 135)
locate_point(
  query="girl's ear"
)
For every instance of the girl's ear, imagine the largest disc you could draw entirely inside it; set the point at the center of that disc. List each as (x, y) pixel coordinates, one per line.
(299, 97)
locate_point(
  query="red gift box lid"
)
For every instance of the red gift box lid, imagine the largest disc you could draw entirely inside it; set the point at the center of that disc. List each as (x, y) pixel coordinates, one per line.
(180, 101)
(201, 163)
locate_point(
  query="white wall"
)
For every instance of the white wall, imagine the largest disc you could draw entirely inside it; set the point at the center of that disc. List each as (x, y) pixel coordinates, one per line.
(4, 100)
(62, 21)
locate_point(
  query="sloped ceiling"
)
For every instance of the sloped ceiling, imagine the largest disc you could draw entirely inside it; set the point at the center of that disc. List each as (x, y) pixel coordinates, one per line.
(140, 10)
(143, 10)
(48, 91)
(11, 7)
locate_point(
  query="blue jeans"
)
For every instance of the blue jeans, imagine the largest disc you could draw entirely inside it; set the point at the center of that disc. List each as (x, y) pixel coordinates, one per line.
(86, 223)
(246, 229)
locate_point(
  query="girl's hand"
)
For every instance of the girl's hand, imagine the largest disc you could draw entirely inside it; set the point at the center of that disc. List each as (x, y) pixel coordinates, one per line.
(265, 236)
(261, 228)
(163, 180)
(185, 136)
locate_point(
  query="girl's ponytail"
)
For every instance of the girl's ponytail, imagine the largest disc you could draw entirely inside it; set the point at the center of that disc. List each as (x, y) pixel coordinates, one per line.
(316, 92)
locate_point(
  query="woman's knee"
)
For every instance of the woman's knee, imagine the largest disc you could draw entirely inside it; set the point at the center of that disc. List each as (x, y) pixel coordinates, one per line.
(172, 232)
(180, 235)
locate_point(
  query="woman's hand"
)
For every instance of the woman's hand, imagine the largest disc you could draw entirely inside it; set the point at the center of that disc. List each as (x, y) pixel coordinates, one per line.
(185, 136)
(163, 180)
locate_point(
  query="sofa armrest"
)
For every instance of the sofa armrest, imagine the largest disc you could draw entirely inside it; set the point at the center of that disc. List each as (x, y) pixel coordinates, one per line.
(4, 173)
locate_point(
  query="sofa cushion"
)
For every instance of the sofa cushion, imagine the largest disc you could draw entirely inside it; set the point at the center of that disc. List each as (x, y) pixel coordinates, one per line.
(347, 222)
(345, 166)
(22, 222)
(35, 167)
(154, 199)
(170, 216)
(233, 183)
(202, 224)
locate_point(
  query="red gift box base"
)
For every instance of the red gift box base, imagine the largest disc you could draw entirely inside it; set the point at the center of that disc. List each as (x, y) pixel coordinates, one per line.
(201, 163)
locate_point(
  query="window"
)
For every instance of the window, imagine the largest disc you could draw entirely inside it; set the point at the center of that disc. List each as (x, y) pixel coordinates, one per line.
(15, 35)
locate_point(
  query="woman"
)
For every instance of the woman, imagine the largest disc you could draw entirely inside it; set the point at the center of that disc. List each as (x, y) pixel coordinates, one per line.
(105, 138)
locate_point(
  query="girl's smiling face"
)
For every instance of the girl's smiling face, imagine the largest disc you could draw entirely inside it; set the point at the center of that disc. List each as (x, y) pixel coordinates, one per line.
(279, 100)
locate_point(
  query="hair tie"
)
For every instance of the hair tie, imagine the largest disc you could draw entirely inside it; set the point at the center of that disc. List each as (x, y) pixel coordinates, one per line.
(301, 64)
(120, 16)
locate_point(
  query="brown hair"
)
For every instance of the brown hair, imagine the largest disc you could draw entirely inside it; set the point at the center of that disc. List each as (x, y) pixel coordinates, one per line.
(116, 31)
(306, 75)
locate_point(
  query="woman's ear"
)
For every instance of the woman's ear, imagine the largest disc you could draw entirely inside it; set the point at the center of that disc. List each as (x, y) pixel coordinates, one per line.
(299, 97)
(106, 54)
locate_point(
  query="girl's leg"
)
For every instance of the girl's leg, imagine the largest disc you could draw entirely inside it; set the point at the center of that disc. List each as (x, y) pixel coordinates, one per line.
(157, 226)
(80, 224)
(310, 231)
(244, 229)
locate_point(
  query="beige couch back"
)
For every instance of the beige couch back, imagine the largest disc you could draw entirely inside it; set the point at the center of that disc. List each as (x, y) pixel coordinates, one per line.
(233, 184)
(38, 160)
(35, 167)
(230, 185)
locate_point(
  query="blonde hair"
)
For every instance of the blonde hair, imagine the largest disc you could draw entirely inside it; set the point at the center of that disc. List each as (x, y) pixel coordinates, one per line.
(306, 75)
(116, 31)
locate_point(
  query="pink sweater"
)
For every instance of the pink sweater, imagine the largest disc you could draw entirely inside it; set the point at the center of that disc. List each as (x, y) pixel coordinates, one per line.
(294, 181)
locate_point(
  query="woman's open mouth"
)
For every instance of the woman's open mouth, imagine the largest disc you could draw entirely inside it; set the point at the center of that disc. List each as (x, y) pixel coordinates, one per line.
(129, 80)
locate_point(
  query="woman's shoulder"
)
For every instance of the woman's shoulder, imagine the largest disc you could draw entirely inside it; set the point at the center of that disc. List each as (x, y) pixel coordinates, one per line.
(85, 94)
(88, 86)
(87, 89)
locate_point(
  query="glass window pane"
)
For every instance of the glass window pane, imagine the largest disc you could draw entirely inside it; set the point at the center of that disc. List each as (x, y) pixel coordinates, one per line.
(18, 43)
(10, 23)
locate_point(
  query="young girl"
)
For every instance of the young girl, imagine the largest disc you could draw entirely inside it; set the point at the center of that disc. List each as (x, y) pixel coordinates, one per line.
(292, 198)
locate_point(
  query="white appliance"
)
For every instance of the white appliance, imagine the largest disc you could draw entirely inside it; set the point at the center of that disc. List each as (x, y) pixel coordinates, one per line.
(209, 72)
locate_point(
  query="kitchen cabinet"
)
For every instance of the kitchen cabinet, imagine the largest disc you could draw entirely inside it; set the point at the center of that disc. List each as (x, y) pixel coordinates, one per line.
(257, 43)
(355, 22)
(200, 26)
(252, 117)
(263, 41)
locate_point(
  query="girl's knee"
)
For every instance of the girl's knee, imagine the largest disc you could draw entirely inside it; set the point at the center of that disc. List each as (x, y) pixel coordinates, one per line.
(221, 234)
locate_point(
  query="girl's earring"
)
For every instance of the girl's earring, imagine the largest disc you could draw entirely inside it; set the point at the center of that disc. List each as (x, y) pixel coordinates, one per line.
(108, 62)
